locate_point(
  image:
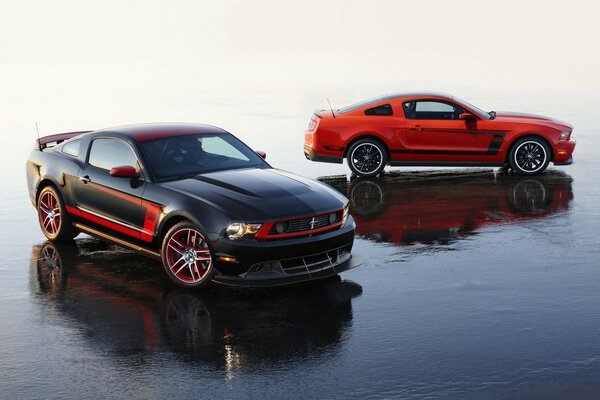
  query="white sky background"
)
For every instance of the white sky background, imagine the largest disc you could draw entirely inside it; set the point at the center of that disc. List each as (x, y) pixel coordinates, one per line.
(259, 68)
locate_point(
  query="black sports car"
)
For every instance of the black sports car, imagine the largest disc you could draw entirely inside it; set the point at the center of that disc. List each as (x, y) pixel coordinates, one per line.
(195, 197)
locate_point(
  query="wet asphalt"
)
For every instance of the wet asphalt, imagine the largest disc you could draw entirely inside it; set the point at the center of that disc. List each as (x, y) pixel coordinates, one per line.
(475, 284)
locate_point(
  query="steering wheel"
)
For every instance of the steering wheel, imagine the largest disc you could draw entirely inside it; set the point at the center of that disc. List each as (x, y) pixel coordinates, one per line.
(173, 148)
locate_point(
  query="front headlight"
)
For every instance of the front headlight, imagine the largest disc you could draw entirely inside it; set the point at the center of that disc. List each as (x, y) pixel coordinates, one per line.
(565, 135)
(239, 230)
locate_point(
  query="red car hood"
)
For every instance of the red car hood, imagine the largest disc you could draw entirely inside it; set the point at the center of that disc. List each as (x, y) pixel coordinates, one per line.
(533, 119)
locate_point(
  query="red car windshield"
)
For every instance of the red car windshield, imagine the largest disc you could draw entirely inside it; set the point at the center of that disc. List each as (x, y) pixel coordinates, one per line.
(476, 110)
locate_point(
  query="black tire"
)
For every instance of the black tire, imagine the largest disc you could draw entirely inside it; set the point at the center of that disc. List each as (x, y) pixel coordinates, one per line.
(54, 220)
(367, 157)
(187, 257)
(529, 196)
(367, 198)
(529, 156)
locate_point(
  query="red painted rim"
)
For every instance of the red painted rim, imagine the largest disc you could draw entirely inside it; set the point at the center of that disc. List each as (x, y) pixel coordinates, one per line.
(188, 256)
(49, 269)
(49, 213)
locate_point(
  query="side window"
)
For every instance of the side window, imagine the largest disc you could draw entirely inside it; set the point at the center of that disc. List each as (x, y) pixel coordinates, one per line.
(108, 153)
(72, 148)
(429, 109)
(385, 109)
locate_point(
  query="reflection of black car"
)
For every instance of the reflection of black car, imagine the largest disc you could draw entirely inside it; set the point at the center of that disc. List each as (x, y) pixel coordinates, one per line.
(195, 197)
(437, 207)
(100, 288)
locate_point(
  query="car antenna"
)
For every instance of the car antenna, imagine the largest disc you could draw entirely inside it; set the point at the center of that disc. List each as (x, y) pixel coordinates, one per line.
(331, 108)
(38, 135)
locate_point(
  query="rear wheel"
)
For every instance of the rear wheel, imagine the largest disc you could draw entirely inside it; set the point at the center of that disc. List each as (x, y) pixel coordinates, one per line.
(186, 256)
(367, 157)
(53, 218)
(529, 156)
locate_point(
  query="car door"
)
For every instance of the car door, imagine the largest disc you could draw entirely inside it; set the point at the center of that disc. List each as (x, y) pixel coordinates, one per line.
(434, 132)
(106, 201)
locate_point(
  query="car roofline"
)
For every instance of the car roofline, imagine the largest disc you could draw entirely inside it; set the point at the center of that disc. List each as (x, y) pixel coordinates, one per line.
(393, 96)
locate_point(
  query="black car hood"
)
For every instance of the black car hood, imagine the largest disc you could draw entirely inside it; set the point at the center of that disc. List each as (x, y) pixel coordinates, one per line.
(258, 195)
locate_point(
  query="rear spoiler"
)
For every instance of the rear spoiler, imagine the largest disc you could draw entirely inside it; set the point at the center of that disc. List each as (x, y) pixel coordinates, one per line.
(52, 140)
(319, 113)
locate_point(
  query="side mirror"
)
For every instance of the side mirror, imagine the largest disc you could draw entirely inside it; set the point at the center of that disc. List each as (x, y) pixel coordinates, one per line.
(124, 171)
(467, 116)
(261, 154)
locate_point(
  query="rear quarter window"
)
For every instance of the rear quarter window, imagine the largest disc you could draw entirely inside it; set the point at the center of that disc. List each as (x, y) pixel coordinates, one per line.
(72, 148)
(385, 109)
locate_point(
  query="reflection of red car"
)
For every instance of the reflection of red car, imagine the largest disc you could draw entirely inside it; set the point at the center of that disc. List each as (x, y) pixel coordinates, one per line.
(438, 208)
(434, 129)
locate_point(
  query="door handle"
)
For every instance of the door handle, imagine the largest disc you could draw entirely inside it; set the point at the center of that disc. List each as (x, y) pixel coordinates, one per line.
(416, 128)
(85, 179)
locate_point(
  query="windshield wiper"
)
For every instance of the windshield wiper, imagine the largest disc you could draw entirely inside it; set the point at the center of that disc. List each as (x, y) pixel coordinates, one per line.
(492, 114)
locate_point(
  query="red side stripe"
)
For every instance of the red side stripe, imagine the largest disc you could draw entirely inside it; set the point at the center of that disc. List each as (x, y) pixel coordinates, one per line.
(104, 222)
(150, 219)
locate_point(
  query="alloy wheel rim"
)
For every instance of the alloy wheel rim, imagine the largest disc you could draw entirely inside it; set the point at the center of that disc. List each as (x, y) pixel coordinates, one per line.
(367, 158)
(49, 269)
(530, 156)
(529, 196)
(188, 255)
(50, 214)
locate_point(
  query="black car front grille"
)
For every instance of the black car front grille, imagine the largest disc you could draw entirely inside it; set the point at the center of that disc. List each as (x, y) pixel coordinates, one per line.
(307, 264)
(305, 224)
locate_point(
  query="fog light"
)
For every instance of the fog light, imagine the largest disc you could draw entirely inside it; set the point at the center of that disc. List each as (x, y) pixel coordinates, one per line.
(281, 227)
(333, 217)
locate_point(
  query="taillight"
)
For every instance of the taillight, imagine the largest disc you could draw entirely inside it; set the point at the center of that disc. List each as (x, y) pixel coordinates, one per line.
(312, 125)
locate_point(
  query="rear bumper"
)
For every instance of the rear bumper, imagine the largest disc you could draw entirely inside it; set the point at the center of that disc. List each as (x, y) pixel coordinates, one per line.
(312, 155)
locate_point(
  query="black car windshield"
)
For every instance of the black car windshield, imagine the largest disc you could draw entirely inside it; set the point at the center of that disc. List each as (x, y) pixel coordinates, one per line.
(181, 156)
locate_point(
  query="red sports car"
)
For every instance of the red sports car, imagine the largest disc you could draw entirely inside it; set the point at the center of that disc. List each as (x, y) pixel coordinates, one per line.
(435, 129)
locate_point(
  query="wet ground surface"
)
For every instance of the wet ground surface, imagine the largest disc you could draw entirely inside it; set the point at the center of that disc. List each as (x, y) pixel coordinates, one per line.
(475, 284)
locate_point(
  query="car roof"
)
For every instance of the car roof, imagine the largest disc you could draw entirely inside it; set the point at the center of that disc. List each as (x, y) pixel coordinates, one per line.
(415, 94)
(147, 132)
(393, 96)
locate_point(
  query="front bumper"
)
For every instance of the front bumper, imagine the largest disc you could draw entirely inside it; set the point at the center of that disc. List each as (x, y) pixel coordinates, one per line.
(279, 262)
(563, 153)
(295, 270)
(568, 161)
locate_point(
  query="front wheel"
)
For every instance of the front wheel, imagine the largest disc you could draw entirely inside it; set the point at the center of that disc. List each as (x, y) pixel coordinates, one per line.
(367, 157)
(529, 156)
(186, 257)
